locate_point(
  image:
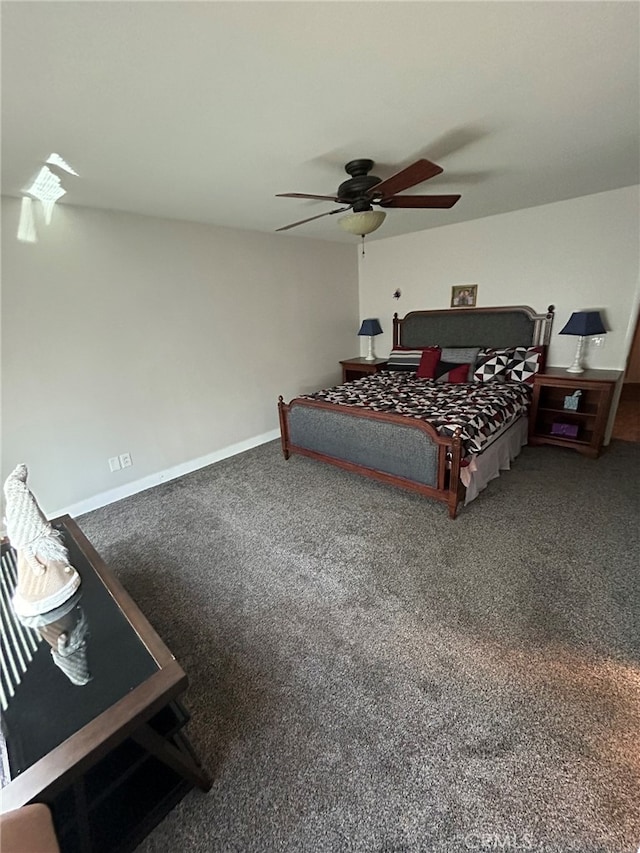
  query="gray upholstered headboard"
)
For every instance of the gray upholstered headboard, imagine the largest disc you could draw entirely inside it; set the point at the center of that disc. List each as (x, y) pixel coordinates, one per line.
(516, 325)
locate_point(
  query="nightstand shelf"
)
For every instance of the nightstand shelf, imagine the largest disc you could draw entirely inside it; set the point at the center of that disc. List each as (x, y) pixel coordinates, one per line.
(580, 429)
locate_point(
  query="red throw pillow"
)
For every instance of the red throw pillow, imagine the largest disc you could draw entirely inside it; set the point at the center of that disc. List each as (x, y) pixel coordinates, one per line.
(429, 362)
(448, 372)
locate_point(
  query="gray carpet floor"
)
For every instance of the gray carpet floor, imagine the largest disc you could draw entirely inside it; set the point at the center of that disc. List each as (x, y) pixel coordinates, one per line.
(367, 675)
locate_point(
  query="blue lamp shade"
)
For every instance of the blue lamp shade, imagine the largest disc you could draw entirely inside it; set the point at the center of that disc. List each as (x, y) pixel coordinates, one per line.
(585, 324)
(370, 327)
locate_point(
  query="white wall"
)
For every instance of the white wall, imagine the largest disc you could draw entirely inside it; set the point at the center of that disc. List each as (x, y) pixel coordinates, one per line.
(577, 254)
(167, 339)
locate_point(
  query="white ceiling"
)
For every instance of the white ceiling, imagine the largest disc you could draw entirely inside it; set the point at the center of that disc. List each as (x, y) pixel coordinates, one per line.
(205, 110)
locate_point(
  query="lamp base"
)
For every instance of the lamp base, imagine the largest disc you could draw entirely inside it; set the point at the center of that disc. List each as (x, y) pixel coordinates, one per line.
(577, 367)
(370, 356)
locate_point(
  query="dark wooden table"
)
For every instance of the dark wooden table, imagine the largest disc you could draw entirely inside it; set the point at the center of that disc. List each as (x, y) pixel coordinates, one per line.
(84, 750)
(354, 368)
(588, 422)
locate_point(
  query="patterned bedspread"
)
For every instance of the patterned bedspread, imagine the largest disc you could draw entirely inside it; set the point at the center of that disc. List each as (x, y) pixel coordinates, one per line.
(480, 409)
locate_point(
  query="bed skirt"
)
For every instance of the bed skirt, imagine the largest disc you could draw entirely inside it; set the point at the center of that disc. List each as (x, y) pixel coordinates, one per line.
(498, 457)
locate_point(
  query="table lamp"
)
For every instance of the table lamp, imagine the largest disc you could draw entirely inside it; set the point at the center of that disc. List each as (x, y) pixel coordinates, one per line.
(583, 324)
(370, 327)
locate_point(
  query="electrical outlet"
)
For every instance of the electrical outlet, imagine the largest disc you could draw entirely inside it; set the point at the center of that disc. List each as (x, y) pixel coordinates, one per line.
(125, 460)
(114, 464)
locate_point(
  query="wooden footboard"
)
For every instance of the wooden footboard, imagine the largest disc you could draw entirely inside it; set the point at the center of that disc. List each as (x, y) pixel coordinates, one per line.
(391, 448)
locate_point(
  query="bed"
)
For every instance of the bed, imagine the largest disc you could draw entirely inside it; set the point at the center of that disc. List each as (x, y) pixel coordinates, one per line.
(447, 413)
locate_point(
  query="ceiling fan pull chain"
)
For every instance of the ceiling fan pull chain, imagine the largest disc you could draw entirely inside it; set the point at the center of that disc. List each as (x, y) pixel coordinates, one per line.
(362, 245)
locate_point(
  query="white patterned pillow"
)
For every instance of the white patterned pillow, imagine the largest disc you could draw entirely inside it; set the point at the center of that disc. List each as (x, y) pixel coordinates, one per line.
(493, 365)
(524, 365)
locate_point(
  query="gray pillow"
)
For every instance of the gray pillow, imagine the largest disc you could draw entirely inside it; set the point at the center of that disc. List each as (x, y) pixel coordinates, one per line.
(461, 355)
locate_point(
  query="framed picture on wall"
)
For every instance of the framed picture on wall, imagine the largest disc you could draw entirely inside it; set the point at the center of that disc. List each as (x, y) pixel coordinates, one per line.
(464, 295)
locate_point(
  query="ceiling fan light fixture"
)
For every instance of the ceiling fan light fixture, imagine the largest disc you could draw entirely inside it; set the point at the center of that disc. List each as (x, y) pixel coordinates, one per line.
(362, 223)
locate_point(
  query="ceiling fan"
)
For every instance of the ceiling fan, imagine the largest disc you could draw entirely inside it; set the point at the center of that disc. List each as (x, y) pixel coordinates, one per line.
(363, 190)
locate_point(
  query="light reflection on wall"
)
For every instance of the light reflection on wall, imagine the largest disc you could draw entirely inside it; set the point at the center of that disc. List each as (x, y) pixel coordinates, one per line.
(46, 188)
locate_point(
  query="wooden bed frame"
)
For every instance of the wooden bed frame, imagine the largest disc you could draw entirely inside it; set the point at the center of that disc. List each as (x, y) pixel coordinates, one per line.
(472, 327)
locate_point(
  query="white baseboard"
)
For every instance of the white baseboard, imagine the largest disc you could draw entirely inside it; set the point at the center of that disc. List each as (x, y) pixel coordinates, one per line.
(152, 480)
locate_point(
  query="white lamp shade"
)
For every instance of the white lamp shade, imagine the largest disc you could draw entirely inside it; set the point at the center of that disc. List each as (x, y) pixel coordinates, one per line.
(362, 223)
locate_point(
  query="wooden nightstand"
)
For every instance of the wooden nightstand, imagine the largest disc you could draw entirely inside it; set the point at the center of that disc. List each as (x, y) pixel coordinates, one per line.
(581, 429)
(354, 368)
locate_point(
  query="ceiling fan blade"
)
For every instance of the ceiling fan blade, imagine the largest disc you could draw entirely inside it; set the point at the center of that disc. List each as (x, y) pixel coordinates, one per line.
(418, 172)
(421, 201)
(311, 218)
(307, 195)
